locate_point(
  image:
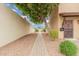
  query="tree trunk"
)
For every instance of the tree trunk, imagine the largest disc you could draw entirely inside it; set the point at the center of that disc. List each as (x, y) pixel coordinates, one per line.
(46, 25)
(48, 29)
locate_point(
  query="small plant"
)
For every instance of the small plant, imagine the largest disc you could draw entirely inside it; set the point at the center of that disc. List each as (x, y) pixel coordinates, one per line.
(44, 29)
(68, 48)
(36, 30)
(54, 34)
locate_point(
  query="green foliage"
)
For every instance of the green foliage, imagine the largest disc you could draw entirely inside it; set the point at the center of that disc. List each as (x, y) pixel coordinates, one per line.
(37, 11)
(36, 30)
(54, 34)
(68, 48)
(44, 29)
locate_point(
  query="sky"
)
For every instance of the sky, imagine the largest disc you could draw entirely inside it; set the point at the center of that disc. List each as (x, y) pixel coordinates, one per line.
(17, 11)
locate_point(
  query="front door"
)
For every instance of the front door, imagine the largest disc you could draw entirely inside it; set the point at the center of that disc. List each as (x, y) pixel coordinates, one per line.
(68, 28)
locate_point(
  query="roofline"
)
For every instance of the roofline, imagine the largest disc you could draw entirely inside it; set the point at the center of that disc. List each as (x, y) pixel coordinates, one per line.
(70, 14)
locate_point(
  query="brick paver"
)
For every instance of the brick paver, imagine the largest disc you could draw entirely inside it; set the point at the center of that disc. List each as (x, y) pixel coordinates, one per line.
(20, 47)
(39, 48)
(33, 45)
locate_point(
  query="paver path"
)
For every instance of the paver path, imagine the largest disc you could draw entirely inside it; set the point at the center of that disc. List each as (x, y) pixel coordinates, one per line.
(39, 48)
(33, 44)
(20, 47)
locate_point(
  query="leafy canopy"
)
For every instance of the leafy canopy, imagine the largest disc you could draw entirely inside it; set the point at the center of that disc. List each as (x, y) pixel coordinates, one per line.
(36, 11)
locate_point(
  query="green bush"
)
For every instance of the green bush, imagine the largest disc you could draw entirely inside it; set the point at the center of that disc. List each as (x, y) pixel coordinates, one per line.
(36, 30)
(54, 34)
(68, 48)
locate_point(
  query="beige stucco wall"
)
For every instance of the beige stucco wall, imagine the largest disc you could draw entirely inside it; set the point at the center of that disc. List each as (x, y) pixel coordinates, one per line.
(75, 27)
(60, 21)
(68, 7)
(12, 26)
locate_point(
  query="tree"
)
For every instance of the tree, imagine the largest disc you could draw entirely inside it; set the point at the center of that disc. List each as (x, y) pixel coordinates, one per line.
(37, 11)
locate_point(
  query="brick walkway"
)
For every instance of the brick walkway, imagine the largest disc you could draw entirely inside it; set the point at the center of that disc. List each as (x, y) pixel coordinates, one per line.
(39, 48)
(33, 45)
(20, 47)
(52, 46)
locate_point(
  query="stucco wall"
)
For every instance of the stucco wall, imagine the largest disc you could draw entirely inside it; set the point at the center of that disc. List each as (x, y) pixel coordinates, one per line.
(12, 26)
(68, 7)
(76, 28)
(60, 21)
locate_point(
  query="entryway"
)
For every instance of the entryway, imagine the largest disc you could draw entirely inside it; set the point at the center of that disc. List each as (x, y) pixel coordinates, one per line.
(68, 27)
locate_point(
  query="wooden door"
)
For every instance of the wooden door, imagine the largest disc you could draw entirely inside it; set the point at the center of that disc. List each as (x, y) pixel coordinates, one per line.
(68, 29)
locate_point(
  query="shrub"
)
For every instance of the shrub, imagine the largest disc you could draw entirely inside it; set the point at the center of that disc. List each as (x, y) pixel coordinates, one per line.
(68, 48)
(36, 30)
(54, 34)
